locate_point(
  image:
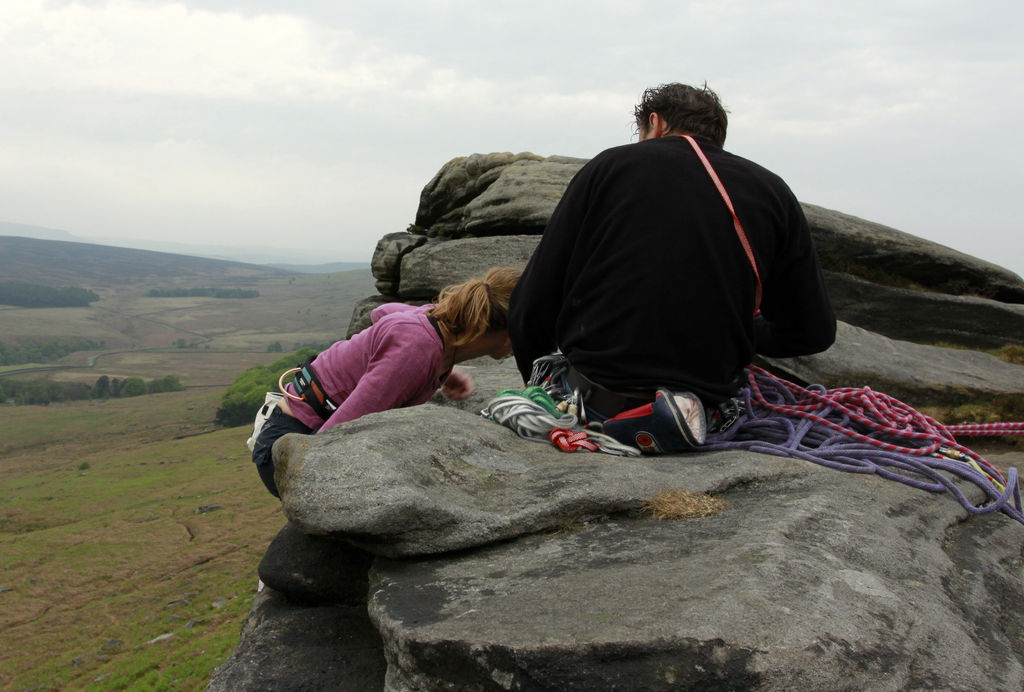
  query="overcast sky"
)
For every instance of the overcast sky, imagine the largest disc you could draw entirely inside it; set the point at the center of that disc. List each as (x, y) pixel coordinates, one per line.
(317, 123)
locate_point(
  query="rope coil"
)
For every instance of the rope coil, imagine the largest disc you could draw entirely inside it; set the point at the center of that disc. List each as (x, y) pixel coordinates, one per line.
(859, 430)
(531, 420)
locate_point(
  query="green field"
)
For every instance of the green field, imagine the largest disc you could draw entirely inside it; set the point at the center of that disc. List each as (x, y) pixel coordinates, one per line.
(129, 538)
(131, 529)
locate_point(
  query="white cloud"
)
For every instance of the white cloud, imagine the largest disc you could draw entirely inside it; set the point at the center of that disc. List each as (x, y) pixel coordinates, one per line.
(231, 113)
(171, 49)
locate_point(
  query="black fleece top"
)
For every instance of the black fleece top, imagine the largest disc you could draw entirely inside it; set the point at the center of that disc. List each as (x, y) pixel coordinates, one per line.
(641, 281)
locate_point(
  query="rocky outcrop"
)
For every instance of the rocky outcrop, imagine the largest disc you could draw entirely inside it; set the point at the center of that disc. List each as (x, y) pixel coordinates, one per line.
(386, 263)
(286, 645)
(425, 272)
(483, 561)
(431, 549)
(807, 578)
(494, 194)
(915, 373)
(847, 243)
(937, 317)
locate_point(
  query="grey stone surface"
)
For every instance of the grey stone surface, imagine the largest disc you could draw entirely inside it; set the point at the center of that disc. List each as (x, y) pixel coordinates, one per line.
(810, 579)
(430, 268)
(313, 569)
(844, 238)
(456, 183)
(431, 479)
(490, 377)
(917, 374)
(387, 258)
(285, 646)
(925, 317)
(522, 199)
(495, 194)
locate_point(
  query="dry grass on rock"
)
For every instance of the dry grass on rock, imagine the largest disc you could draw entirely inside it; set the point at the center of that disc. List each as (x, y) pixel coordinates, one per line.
(678, 504)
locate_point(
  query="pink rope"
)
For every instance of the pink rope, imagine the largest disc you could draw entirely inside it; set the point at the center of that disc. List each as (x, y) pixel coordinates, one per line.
(986, 429)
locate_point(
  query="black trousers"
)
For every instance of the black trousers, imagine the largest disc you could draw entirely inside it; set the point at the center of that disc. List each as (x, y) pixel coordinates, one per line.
(278, 425)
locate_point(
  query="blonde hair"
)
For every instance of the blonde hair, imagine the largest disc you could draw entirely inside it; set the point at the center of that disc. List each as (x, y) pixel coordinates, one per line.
(469, 310)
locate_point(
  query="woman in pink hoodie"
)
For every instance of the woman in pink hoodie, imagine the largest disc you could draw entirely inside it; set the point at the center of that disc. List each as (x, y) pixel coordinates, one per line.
(406, 355)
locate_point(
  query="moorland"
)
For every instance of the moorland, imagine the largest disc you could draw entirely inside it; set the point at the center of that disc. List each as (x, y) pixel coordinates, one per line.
(131, 527)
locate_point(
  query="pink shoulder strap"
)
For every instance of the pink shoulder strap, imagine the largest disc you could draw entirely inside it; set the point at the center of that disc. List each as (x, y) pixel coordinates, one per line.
(744, 241)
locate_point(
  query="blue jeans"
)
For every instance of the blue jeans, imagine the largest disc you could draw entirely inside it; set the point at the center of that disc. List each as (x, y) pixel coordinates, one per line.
(278, 425)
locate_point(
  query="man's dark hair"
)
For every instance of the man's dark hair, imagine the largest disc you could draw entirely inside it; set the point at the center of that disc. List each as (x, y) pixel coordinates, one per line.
(685, 109)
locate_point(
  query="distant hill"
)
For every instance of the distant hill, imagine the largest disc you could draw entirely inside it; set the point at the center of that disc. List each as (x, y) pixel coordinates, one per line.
(329, 268)
(290, 259)
(26, 231)
(60, 263)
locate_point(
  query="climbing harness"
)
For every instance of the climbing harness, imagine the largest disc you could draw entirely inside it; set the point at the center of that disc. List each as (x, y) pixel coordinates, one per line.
(308, 389)
(270, 402)
(551, 375)
(862, 431)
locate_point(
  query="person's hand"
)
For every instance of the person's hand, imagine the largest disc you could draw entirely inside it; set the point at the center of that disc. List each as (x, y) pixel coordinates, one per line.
(458, 385)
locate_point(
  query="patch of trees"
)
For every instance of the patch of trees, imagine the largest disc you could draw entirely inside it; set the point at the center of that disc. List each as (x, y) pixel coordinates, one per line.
(240, 401)
(277, 347)
(203, 293)
(35, 296)
(40, 351)
(42, 392)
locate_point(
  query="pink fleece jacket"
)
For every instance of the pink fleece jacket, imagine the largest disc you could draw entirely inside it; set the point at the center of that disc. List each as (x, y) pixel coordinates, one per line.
(395, 362)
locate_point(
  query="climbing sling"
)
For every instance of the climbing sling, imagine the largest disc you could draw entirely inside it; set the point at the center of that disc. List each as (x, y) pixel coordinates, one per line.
(737, 226)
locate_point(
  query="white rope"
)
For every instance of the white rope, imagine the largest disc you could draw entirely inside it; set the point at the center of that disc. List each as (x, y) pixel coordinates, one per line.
(532, 422)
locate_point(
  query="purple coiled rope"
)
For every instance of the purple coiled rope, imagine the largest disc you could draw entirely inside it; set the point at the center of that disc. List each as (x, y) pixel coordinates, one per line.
(829, 436)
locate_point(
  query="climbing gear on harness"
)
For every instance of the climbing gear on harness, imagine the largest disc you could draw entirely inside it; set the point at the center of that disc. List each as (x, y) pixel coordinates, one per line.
(673, 422)
(575, 393)
(530, 417)
(862, 431)
(550, 373)
(659, 422)
(600, 402)
(308, 389)
(724, 415)
(270, 402)
(740, 233)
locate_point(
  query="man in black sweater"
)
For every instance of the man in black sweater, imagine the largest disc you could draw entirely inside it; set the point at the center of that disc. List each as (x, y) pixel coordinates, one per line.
(641, 278)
